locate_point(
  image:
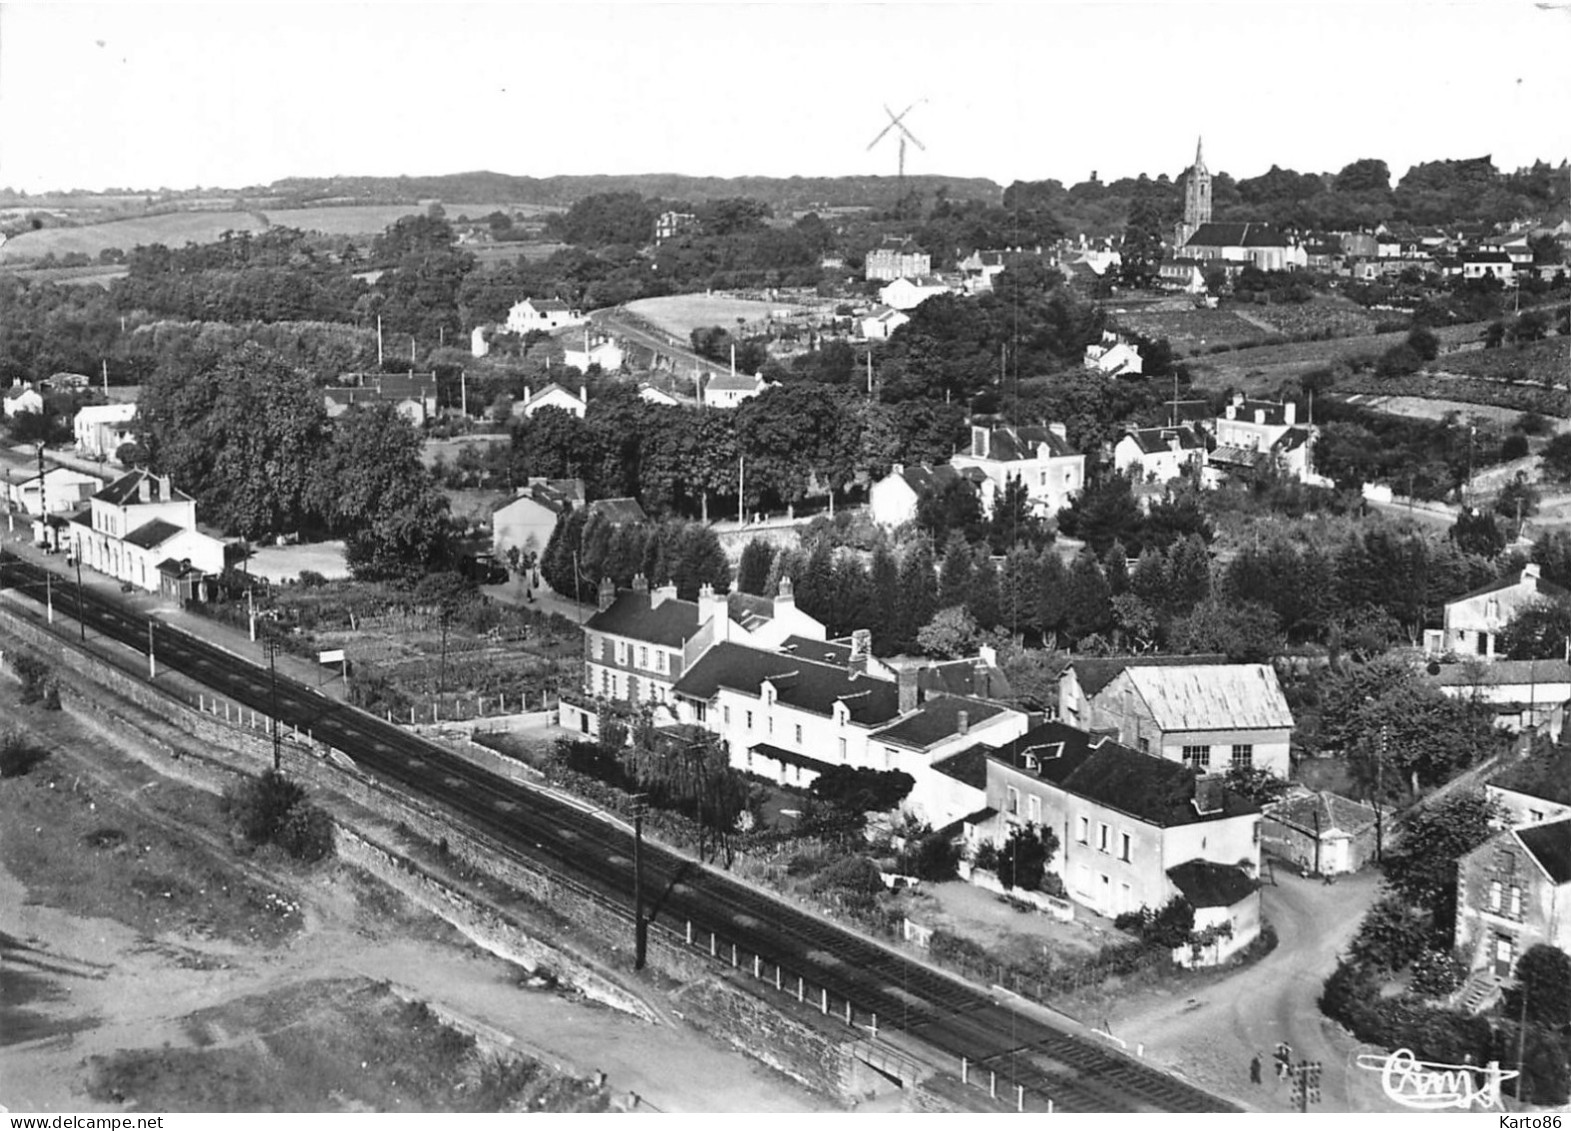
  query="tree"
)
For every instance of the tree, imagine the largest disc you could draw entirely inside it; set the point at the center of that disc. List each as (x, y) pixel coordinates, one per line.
(1543, 974)
(752, 572)
(951, 633)
(917, 597)
(381, 498)
(1538, 631)
(954, 573)
(1437, 837)
(860, 790)
(1478, 532)
(448, 593)
(1024, 857)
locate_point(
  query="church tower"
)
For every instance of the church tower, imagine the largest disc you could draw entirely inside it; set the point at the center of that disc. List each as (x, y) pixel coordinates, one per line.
(1197, 199)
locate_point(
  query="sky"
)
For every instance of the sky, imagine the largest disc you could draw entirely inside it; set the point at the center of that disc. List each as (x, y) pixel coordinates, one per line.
(147, 96)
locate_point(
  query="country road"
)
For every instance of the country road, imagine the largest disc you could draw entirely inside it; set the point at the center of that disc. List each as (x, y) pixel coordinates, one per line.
(687, 363)
(1210, 1035)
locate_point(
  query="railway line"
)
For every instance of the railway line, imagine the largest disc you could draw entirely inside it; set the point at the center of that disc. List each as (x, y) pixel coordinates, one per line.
(685, 900)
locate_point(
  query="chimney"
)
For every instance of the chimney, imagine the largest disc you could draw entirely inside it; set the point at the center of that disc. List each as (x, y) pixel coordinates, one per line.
(963, 722)
(1260, 416)
(979, 441)
(785, 595)
(861, 649)
(1290, 412)
(1209, 794)
(666, 592)
(1059, 429)
(607, 593)
(988, 655)
(712, 609)
(1531, 570)
(526, 394)
(144, 488)
(583, 393)
(905, 686)
(640, 584)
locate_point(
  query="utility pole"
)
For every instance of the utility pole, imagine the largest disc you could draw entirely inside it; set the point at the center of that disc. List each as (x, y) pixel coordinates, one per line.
(379, 341)
(640, 927)
(272, 672)
(49, 596)
(152, 664)
(81, 611)
(741, 483)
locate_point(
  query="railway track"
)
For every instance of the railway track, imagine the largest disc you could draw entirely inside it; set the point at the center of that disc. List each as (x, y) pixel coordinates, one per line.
(685, 900)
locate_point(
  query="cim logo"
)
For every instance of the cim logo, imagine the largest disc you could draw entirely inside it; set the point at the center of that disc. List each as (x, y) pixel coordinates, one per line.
(1423, 1086)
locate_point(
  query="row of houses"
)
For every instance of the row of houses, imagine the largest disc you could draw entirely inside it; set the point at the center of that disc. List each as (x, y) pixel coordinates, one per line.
(1137, 799)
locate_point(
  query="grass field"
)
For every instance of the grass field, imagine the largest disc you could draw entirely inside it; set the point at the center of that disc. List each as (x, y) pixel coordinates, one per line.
(680, 315)
(176, 229)
(1264, 368)
(1192, 332)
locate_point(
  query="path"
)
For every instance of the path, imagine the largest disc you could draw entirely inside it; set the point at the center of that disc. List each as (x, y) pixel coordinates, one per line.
(1211, 1035)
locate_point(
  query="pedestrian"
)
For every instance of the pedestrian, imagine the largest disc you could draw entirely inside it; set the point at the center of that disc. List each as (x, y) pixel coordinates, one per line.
(1254, 1069)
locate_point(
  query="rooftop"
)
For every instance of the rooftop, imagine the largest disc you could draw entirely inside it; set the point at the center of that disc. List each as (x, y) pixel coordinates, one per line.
(938, 719)
(798, 682)
(1550, 845)
(1095, 673)
(1205, 884)
(1545, 775)
(633, 615)
(127, 490)
(1213, 697)
(151, 534)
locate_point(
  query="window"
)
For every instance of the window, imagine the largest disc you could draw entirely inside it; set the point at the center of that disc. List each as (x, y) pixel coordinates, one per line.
(1494, 895)
(749, 720)
(1145, 746)
(1034, 809)
(799, 734)
(1012, 804)
(1084, 835)
(1104, 836)
(1534, 816)
(1243, 755)
(605, 682)
(1198, 756)
(643, 656)
(725, 715)
(1516, 902)
(700, 711)
(1124, 847)
(769, 723)
(621, 651)
(1255, 833)
(842, 750)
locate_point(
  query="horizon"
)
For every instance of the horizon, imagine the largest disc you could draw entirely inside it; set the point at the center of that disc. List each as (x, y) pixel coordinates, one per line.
(251, 96)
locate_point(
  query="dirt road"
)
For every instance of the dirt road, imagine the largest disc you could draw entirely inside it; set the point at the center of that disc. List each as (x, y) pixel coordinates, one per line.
(1211, 1036)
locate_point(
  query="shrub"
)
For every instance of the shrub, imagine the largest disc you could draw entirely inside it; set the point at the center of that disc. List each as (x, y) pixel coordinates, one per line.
(306, 833)
(19, 753)
(1515, 447)
(934, 857)
(310, 579)
(1437, 973)
(850, 874)
(1391, 935)
(260, 806)
(37, 679)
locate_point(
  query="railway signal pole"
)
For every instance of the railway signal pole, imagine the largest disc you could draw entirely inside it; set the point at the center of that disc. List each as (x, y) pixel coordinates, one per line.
(640, 927)
(272, 673)
(81, 611)
(152, 664)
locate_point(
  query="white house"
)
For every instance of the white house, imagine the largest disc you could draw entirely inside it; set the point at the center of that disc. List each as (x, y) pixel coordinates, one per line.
(101, 429)
(1251, 433)
(526, 522)
(1524, 694)
(894, 498)
(1115, 358)
(727, 390)
(1156, 455)
(1533, 790)
(1040, 457)
(63, 490)
(1473, 621)
(21, 397)
(479, 343)
(897, 259)
(1134, 830)
(552, 396)
(542, 314)
(605, 353)
(651, 395)
(881, 323)
(910, 293)
(142, 531)
(1487, 265)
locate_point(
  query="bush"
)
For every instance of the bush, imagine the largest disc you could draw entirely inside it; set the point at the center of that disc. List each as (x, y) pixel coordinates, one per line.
(1391, 935)
(935, 858)
(19, 753)
(1437, 973)
(306, 833)
(1514, 447)
(850, 874)
(38, 685)
(310, 579)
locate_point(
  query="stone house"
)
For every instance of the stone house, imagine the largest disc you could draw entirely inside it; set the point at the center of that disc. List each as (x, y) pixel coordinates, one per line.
(1473, 621)
(1323, 832)
(1038, 456)
(142, 531)
(1514, 892)
(1158, 454)
(542, 314)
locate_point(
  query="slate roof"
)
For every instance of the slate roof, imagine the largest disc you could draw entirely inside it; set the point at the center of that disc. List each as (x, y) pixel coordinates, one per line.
(1154, 440)
(1151, 789)
(670, 624)
(618, 511)
(151, 534)
(548, 497)
(1503, 672)
(543, 393)
(964, 677)
(544, 304)
(127, 490)
(1335, 812)
(1235, 456)
(799, 682)
(1206, 884)
(1511, 581)
(921, 477)
(1095, 673)
(749, 611)
(968, 767)
(824, 651)
(739, 382)
(1538, 776)
(1275, 411)
(1236, 235)
(1213, 697)
(1550, 845)
(936, 720)
(790, 758)
(1008, 443)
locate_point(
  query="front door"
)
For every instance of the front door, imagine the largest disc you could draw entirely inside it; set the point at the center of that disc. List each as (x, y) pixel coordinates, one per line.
(1503, 950)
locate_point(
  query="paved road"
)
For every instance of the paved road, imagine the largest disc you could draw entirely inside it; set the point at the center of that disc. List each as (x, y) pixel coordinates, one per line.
(1211, 1035)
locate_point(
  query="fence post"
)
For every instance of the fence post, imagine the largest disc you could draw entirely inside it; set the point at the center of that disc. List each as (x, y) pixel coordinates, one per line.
(712, 950)
(756, 961)
(875, 1026)
(848, 1014)
(689, 932)
(200, 705)
(1049, 1105)
(823, 1004)
(777, 975)
(992, 1085)
(733, 954)
(965, 1071)
(1020, 1097)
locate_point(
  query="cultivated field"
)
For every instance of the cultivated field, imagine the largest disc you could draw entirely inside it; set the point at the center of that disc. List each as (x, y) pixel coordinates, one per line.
(680, 315)
(176, 229)
(1192, 331)
(1264, 368)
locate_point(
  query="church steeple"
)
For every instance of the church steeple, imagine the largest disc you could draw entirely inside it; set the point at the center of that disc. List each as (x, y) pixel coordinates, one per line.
(1197, 198)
